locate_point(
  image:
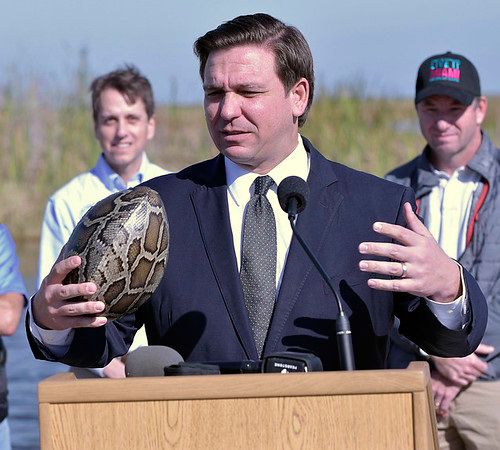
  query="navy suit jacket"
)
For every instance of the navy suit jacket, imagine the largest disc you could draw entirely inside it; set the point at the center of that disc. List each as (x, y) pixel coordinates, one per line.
(199, 310)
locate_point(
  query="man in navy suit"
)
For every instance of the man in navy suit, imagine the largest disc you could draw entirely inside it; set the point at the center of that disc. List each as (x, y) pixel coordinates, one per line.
(258, 81)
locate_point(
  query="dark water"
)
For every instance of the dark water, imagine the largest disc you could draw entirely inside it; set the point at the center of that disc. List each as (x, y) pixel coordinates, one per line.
(23, 373)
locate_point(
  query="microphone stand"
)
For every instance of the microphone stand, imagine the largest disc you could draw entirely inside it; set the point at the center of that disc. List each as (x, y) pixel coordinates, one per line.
(343, 327)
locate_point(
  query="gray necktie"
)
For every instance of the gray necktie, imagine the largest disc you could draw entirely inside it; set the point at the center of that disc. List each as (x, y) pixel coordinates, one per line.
(258, 260)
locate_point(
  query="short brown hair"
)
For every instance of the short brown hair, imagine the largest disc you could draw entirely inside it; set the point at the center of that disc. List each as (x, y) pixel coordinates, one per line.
(127, 81)
(292, 53)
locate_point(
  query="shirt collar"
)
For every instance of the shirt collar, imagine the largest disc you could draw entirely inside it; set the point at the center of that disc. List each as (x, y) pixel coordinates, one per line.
(463, 174)
(239, 180)
(112, 180)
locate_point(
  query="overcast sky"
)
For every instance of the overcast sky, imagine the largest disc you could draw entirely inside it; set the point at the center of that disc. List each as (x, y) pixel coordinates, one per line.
(380, 43)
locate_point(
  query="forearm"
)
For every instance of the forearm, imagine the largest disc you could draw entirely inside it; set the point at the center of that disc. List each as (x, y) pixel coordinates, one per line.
(11, 309)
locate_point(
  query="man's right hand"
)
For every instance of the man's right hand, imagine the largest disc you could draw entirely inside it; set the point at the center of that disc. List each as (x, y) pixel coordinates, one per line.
(463, 371)
(52, 305)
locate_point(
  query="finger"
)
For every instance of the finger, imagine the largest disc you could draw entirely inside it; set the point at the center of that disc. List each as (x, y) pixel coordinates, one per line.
(479, 366)
(394, 269)
(438, 395)
(397, 233)
(474, 363)
(463, 380)
(413, 222)
(476, 368)
(47, 301)
(393, 285)
(484, 349)
(73, 315)
(386, 249)
(69, 291)
(61, 269)
(82, 322)
(77, 315)
(80, 309)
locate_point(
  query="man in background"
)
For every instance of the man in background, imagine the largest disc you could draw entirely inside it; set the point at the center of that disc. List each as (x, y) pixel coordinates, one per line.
(123, 111)
(456, 181)
(12, 301)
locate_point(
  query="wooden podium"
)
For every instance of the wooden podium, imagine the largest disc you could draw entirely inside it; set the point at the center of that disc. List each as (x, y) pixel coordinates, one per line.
(375, 409)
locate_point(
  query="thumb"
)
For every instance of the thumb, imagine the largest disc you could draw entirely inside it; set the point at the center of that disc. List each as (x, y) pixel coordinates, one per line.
(61, 269)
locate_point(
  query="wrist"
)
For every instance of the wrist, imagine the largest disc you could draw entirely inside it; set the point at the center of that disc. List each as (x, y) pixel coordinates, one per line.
(453, 285)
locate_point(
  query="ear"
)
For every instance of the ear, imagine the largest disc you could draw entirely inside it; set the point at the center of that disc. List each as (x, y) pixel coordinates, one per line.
(480, 110)
(299, 95)
(151, 127)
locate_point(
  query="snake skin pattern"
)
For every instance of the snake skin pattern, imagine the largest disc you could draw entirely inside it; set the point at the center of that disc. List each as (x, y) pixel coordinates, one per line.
(123, 241)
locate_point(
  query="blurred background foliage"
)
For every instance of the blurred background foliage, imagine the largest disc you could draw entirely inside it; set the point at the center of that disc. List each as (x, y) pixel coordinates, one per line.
(47, 137)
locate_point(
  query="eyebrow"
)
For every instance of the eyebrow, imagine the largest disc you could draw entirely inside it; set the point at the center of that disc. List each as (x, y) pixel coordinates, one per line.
(237, 87)
(107, 116)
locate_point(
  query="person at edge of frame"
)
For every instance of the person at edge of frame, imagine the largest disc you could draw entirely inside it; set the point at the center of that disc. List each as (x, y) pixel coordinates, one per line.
(12, 301)
(456, 180)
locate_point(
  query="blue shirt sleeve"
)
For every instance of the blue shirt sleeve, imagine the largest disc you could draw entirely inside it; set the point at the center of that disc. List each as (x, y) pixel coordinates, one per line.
(11, 279)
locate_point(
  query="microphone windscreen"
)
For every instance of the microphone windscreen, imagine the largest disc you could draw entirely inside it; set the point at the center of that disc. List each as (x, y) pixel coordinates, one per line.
(150, 361)
(293, 187)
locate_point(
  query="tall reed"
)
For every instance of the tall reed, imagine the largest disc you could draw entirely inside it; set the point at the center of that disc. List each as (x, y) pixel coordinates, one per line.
(47, 137)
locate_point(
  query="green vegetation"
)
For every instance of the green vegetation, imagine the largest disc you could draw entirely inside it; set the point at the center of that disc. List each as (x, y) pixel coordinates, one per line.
(46, 138)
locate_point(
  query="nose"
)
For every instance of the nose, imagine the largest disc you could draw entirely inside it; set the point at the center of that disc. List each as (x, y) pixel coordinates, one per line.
(121, 129)
(230, 106)
(441, 123)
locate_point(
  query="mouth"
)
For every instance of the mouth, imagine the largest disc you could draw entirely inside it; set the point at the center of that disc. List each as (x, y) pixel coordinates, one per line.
(233, 136)
(121, 145)
(232, 132)
(443, 136)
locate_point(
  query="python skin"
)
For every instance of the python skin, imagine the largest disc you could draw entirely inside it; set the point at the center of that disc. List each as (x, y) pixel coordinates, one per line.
(123, 241)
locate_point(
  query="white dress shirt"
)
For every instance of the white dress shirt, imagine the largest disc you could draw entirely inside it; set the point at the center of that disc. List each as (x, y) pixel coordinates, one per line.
(240, 189)
(449, 209)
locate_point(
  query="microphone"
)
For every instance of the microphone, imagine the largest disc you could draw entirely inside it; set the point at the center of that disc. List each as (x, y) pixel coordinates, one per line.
(150, 361)
(293, 193)
(159, 361)
(213, 367)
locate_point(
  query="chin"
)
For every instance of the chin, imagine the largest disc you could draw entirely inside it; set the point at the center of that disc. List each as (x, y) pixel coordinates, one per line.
(235, 152)
(119, 161)
(445, 148)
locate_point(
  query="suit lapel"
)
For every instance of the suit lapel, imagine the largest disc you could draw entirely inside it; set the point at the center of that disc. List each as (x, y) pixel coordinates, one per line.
(315, 225)
(210, 204)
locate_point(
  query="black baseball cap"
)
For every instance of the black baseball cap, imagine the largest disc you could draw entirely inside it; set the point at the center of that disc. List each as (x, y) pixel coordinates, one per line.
(448, 74)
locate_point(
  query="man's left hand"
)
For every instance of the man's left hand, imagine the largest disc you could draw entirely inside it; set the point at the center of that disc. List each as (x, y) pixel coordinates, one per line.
(444, 392)
(419, 266)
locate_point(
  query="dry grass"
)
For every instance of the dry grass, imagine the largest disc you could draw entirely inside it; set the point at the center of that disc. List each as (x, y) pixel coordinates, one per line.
(45, 142)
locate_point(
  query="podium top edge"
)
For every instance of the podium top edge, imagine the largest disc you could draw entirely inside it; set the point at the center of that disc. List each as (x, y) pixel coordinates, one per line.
(65, 388)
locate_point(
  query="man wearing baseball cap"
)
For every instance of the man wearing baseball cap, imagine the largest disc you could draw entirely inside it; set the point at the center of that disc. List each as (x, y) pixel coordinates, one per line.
(456, 182)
